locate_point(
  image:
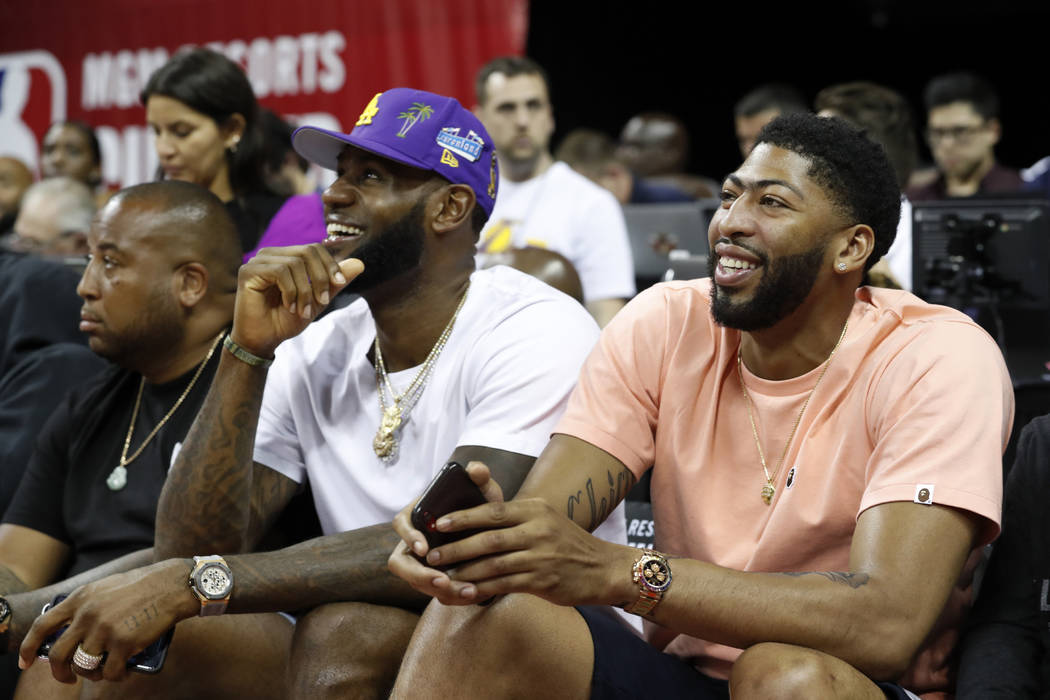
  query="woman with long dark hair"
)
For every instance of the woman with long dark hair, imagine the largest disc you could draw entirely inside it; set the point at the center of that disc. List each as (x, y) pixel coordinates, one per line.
(205, 117)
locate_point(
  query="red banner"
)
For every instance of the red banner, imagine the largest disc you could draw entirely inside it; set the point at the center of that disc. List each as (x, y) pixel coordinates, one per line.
(317, 62)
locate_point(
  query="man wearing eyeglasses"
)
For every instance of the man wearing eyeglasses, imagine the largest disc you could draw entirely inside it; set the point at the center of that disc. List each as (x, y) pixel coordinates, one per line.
(962, 128)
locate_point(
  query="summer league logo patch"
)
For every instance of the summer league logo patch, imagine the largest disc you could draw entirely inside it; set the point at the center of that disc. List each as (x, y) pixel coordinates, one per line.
(468, 146)
(924, 494)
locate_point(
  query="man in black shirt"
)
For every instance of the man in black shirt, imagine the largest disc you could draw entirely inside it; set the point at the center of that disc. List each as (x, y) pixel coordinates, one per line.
(158, 295)
(42, 355)
(1006, 650)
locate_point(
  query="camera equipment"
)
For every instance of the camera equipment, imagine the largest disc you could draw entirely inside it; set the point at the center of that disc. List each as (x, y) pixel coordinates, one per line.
(989, 258)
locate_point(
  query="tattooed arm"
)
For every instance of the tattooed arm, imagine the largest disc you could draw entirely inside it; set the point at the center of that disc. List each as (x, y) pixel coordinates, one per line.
(25, 606)
(127, 611)
(31, 560)
(904, 560)
(215, 498)
(543, 533)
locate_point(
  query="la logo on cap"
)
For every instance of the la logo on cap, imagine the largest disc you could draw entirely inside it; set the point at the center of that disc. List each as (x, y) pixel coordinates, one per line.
(371, 109)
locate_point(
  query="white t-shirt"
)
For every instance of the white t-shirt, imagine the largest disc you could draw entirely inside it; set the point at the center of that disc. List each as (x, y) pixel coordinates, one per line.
(898, 257)
(565, 212)
(502, 381)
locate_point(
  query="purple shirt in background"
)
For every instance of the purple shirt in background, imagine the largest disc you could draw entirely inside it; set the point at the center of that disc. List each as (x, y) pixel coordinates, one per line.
(299, 221)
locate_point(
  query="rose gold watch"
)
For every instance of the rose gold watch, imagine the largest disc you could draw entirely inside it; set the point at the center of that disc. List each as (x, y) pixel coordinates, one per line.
(212, 581)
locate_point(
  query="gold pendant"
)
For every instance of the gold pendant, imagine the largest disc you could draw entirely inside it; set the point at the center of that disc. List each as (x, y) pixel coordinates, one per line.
(767, 492)
(385, 444)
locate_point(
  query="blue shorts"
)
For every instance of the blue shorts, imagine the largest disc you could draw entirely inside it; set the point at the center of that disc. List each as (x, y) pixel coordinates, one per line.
(627, 667)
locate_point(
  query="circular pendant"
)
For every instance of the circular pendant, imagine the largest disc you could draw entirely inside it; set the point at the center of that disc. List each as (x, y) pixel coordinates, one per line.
(117, 479)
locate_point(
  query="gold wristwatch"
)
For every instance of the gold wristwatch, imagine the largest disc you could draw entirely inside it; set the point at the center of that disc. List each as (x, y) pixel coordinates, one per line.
(212, 581)
(652, 573)
(5, 623)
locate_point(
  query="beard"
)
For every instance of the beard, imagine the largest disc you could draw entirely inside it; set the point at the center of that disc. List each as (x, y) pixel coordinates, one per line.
(391, 252)
(783, 288)
(156, 330)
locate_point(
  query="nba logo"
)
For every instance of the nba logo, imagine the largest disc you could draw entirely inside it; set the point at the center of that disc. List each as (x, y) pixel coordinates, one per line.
(790, 478)
(29, 103)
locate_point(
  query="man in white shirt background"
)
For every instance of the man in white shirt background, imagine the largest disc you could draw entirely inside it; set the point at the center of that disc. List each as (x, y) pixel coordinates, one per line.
(543, 203)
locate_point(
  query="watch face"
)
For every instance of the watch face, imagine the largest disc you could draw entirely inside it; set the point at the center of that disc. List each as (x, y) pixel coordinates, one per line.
(214, 582)
(656, 574)
(5, 610)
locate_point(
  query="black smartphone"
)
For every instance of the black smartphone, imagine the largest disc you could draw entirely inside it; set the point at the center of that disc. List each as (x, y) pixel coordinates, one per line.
(451, 490)
(149, 660)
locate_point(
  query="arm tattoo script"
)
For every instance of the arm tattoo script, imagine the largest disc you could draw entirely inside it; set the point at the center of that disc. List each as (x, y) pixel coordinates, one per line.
(616, 488)
(850, 579)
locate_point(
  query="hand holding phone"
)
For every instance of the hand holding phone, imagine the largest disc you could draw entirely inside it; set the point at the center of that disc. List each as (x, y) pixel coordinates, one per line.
(149, 660)
(451, 490)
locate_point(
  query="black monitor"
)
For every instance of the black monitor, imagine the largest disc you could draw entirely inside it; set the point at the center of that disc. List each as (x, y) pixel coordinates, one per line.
(978, 251)
(989, 257)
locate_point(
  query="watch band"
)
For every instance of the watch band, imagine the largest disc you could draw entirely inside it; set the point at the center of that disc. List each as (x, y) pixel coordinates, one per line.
(652, 573)
(248, 358)
(210, 604)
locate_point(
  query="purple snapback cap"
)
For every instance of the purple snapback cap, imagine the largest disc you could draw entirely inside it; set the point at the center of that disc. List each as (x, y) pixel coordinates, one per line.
(416, 128)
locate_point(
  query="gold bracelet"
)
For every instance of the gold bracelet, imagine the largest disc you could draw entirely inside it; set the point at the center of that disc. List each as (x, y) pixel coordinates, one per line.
(243, 355)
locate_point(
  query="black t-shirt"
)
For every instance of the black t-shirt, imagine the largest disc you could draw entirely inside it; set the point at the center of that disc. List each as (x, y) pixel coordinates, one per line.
(38, 306)
(64, 494)
(1006, 649)
(29, 393)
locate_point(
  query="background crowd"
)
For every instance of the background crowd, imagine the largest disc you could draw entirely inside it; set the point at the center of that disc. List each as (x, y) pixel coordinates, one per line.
(211, 131)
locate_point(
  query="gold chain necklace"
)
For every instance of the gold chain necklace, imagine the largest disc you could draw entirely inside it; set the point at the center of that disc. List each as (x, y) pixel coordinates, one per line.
(118, 478)
(396, 412)
(768, 490)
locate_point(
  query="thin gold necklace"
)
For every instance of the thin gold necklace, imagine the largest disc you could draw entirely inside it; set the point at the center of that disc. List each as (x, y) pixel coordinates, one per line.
(768, 489)
(118, 478)
(396, 412)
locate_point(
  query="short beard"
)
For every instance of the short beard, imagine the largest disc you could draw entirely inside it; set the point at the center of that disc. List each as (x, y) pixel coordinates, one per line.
(158, 330)
(783, 288)
(391, 252)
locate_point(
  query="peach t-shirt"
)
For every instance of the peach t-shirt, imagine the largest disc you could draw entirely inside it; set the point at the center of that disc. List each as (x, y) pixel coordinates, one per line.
(916, 405)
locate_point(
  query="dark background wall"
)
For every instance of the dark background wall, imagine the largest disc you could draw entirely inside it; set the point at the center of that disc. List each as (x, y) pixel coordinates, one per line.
(613, 59)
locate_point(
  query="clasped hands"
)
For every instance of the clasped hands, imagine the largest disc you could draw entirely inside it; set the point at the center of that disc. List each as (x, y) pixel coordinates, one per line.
(525, 547)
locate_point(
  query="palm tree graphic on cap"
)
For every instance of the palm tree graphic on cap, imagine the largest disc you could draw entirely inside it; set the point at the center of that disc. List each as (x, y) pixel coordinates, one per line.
(417, 112)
